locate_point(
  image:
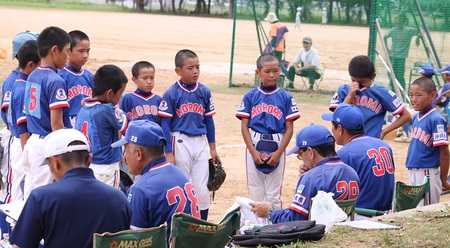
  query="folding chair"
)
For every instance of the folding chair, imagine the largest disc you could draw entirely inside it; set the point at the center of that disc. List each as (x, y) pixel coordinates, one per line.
(409, 196)
(405, 197)
(348, 206)
(305, 80)
(188, 231)
(155, 237)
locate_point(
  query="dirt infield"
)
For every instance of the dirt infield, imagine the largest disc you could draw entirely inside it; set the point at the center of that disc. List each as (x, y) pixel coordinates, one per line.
(123, 39)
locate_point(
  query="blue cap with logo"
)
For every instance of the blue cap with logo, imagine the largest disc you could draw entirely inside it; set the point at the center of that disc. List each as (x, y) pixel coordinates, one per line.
(20, 39)
(445, 70)
(143, 133)
(311, 136)
(427, 69)
(346, 115)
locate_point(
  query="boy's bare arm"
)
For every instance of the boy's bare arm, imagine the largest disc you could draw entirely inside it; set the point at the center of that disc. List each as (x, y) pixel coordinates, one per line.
(248, 141)
(56, 119)
(444, 167)
(23, 139)
(403, 118)
(213, 152)
(274, 157)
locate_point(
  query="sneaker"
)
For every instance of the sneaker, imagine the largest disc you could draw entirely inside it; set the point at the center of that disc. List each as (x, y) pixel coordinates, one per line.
(399, 132)
(403, 139)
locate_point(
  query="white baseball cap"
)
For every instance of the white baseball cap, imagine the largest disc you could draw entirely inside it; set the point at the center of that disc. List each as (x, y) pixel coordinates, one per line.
(58, 142)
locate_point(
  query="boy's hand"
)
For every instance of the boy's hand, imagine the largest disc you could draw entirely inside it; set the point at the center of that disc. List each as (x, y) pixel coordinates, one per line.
(273, 158)
(215, 156)
(354, 87)
(445, 185)
(257, 158)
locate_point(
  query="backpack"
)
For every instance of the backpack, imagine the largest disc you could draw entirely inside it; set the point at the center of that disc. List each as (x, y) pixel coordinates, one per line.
(281, 233)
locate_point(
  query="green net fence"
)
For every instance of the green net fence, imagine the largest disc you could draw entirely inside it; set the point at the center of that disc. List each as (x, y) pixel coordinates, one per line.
(414, 32)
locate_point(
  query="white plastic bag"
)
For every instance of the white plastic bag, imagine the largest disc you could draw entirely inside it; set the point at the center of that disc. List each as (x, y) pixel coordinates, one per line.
(324, 210)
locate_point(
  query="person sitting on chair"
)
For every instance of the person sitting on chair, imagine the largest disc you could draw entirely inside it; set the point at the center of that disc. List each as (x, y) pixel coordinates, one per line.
(306, 64)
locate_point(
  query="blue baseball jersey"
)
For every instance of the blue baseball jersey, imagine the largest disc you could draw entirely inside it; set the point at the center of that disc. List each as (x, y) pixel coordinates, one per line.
(330, 175)
(79, 86)
(45, 91)
(187, 108)
(440, 96)
(68, 212)
(268, 111)
(373, 161)
(162, 190)
(428, 132)
(16, 112)
(140, 107)
(6, 93)
(374, 102)
(101, 123)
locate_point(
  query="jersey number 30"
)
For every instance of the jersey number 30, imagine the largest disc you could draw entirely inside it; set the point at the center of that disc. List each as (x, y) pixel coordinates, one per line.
(177, 195)
(383, 160)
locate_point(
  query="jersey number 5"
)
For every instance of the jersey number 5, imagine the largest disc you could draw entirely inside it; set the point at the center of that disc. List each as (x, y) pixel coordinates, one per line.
(177, 195)
(33, 100)
(383, 160)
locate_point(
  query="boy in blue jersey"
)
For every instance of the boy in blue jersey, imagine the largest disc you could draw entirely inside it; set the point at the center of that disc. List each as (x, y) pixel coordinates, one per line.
(142, 103)
(101, 122)
(187, 111)
(267, 114)
(79, 80)
(68, 212)
(371, 158)
(5, 134)
(314, 145)
(162, 189)
(28, 61)
(428, 153)
(45, 99)
(373, 100)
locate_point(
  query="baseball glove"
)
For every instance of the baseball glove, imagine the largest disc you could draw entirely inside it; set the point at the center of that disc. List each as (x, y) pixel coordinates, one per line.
(217, 175)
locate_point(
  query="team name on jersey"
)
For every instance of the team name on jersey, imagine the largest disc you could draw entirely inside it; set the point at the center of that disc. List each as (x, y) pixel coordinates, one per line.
(422, 136)
(139, 111)
(267, 108)
(79, 90)
(367, 102)
(190, 108)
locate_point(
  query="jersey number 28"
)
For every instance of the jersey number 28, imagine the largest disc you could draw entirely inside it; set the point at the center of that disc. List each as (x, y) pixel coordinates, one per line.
(177, 195)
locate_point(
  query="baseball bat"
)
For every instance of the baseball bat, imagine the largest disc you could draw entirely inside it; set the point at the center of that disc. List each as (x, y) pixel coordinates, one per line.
(387, 68)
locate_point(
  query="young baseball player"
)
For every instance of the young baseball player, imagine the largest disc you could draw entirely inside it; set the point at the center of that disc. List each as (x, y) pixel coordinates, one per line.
(101, 122)
(187, 110)
(428, 153)
(79, 80)
(314, 145)
(427, 71)
(142, 103)
(163, 189)
(267, 114)
(370, 157)
(45, 99)
(5, 134)
(373, 100)
(28, 61)
(443, 94)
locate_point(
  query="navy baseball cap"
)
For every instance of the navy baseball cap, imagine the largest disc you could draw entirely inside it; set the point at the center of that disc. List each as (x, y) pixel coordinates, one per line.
(445, 70)
(20, 39)
(346, 115)
(143, 133)
(311, 136)
(427, 69)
